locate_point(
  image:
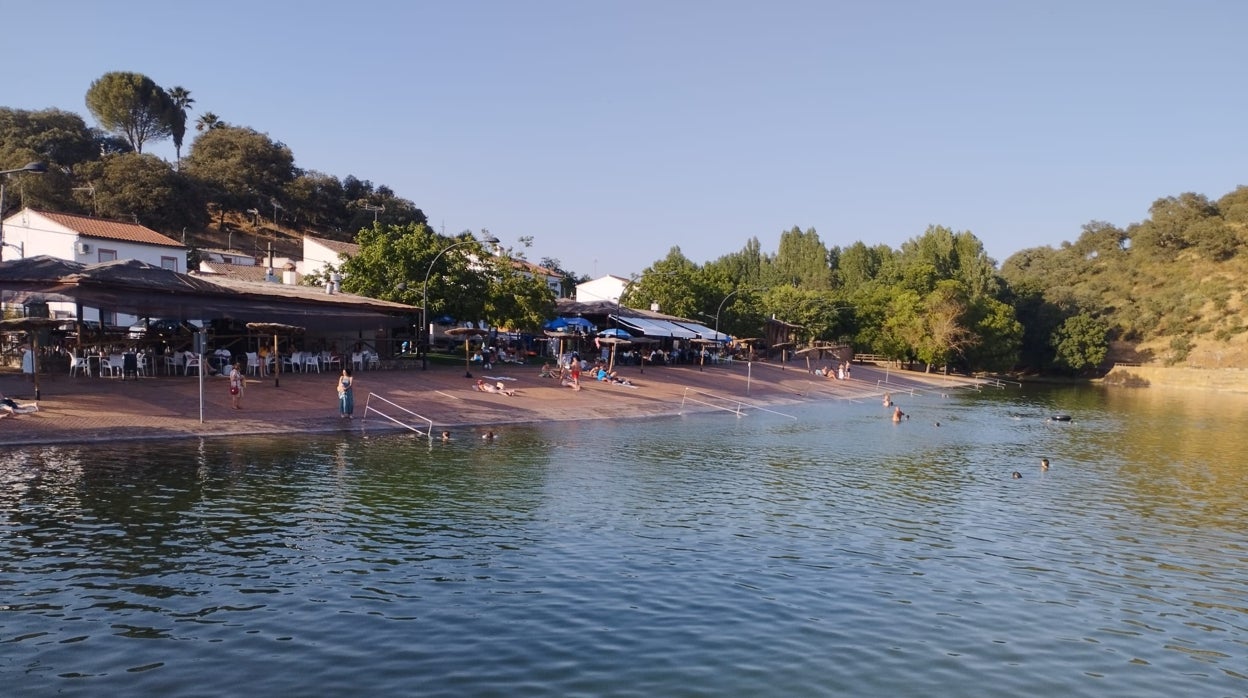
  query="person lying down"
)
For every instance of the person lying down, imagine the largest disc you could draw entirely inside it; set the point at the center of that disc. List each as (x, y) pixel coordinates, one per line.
(493, 388)
(8, 406)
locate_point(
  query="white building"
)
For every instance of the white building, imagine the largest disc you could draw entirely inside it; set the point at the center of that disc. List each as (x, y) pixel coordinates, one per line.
(606, 288)
(88, 240)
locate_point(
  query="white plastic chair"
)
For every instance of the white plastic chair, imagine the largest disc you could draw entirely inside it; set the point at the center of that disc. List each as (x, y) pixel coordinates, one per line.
(374, 361)
(254, 367)
(357, 361)
(79, 363)
(192, 363)
(311, 362)
(116, 365)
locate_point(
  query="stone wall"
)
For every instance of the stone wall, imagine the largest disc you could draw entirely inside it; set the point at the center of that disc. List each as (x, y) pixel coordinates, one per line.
(1223, 379)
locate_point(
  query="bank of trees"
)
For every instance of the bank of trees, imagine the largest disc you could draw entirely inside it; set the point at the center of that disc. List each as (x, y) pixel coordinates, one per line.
(939, 299)
(103, 170)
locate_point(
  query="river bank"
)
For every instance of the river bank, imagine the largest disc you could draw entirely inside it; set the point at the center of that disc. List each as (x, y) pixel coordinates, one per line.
(85, 409)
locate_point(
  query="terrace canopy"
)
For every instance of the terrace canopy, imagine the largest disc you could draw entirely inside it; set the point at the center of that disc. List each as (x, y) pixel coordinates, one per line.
(144, 290)
(656, 328)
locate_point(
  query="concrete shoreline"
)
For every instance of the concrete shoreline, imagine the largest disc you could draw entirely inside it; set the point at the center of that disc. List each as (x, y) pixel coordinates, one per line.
(87, 409)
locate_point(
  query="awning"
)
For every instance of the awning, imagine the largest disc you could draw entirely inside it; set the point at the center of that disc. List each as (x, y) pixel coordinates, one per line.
(657, 328)
(705, 332)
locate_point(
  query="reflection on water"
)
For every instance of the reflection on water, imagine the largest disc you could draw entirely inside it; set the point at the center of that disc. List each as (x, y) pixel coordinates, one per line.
(834, 554)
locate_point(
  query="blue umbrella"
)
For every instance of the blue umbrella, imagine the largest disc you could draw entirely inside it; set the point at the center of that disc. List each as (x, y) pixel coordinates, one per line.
(615, 332)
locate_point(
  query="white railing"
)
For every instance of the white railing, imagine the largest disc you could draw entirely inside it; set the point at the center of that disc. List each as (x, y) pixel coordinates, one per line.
(368, 407)
(737, 402)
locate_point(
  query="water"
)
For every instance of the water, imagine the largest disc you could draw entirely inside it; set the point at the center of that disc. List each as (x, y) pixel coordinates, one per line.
(706, 555)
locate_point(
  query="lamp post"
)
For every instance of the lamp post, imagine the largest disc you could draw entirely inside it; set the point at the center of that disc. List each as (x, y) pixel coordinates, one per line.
(35, 167)
(719, 310)
(424, 300)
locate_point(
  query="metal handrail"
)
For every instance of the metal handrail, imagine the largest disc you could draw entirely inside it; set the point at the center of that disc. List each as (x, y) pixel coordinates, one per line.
(368, 406)
(739, 403)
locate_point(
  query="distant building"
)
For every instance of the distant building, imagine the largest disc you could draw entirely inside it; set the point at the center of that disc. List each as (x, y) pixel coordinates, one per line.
(319, 254)
(88, 240)
(606, 288)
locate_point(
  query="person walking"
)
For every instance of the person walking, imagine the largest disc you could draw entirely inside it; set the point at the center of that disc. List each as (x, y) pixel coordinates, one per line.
(346, 396)
(236, 386)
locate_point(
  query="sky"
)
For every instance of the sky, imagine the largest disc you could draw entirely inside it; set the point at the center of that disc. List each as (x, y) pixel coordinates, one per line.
(612, 132)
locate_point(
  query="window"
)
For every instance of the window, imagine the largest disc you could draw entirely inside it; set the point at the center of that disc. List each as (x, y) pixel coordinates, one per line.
(108, 255)
(170, 263)
(108, 318)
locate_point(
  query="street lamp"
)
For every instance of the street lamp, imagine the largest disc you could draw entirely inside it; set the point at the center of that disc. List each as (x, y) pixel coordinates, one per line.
(424, 301)
(719, 310)
(35, 167)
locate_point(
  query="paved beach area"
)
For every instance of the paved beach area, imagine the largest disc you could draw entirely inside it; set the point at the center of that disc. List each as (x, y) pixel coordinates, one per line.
(93, 409)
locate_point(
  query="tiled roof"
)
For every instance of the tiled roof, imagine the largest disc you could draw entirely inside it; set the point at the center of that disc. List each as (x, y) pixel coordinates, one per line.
(87, 226)
(532, 268)
(347, 248)
(242, 272)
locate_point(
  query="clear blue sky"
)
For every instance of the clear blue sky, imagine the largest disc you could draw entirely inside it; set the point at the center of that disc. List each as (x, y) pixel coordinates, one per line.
(612, 131)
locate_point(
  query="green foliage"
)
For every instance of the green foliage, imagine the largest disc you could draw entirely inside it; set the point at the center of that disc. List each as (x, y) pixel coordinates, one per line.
(240, 167)
(516, 301)
(1180, 348)
(1081, 343)
(132, 106)
(801, 260)
(998, 335)
(133, 186)
(394, 261)
(179, 101)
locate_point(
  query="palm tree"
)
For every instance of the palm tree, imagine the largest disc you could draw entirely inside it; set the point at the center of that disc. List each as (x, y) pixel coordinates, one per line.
(182, 100)
(208, 121)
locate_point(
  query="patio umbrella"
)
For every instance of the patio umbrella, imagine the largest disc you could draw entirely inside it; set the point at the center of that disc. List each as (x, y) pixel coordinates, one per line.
(615, 332)
(466, 333)
(275, 329)
(31, 326)
(562, 336)
(613, 342)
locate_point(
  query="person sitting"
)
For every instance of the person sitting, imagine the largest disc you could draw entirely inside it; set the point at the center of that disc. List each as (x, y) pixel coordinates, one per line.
(548, 371)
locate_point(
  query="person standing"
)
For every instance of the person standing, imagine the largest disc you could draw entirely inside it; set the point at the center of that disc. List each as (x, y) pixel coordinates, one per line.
(236, 386)
(346, 396)
(28, 361)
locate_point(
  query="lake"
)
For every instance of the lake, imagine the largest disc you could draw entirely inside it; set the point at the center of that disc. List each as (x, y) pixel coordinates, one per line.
(824, 551)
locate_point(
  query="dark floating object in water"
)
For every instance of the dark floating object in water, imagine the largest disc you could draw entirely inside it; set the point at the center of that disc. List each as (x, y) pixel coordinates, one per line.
(1059, 418)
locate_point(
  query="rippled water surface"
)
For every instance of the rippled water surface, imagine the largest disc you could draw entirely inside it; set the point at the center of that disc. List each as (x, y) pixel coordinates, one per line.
(705, 555)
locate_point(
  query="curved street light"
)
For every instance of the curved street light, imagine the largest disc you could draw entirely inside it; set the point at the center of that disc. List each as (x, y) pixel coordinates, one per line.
(424, 301)
(35, 167)
(720, 309)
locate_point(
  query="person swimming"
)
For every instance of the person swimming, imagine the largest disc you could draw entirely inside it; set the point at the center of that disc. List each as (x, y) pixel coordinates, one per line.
(1017, 475)
(1044, 463)
(898, 415)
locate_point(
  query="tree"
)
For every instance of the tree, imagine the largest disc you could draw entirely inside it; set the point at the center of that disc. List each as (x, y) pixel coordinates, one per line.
(144, 188)
(393, 262)
(180, 99)
(674, 283)
(998, 335)
(516, 300)
(240, 166)
(945, 333)
(802, 260)
(1081, 343)
(208, 121)
(52, 136)
(131, 105)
